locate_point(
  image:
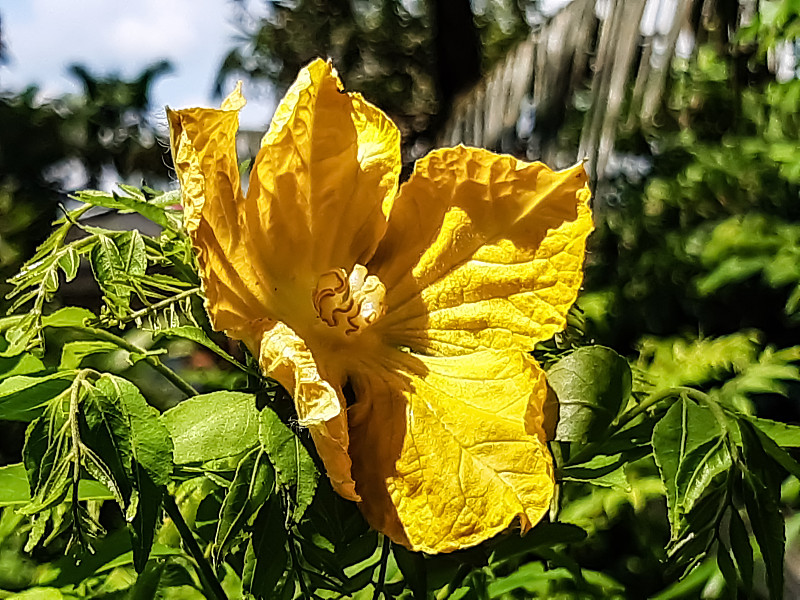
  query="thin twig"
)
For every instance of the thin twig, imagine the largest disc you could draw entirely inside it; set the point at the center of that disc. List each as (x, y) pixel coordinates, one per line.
(379, 586)
(153, 361)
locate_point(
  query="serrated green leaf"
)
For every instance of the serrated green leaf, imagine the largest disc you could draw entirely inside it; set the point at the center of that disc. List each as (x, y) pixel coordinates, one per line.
(698, 471)
(21, 334)
(68, 262)
(212, 426)
(47, 460)
(294, 468)
(742, 549)
(115, 262)
(783, 434)
(125, 203)
(151, 460)
(592, 384)
(106, 431)
(683, 429)
(603, 470)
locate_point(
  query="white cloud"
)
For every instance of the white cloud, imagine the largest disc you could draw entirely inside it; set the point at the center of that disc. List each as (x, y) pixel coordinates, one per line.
(113, 36)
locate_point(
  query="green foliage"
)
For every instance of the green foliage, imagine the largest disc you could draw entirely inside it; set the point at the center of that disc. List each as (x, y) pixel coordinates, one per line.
(247, 510)
(49, 144)
(672, 466)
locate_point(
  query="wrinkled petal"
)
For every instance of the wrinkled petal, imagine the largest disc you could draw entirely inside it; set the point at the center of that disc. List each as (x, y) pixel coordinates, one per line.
(482, 251)
(321, 187)
(285, 357)
(204, 153)
(447, 452)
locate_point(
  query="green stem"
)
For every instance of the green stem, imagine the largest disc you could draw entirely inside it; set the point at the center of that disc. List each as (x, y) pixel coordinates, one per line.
(154, 307)
(153, 361)
(656, 398)
(206, 572)
(627, 417)
(379, 586)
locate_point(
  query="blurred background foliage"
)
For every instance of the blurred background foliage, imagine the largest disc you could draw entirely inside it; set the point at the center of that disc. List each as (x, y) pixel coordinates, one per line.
(693, 272)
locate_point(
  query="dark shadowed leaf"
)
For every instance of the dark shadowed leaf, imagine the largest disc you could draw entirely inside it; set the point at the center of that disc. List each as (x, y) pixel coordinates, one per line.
(592, 384)
(250, 488)
(266, 555)
(761, 491)
(742, 549)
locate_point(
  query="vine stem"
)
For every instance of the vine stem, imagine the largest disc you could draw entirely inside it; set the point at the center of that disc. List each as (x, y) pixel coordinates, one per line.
(175, 379)
(206, 572)
(625, 418)
(379, 587)
(154, 307)
(658, 397)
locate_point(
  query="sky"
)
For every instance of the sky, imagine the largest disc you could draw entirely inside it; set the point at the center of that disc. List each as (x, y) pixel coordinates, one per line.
(124, 36)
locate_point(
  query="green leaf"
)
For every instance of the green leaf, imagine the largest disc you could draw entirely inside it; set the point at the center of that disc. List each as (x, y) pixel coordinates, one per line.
(23, 397)
(106, 431)
(412, 566)
(212, 426)
(69, 316)
(46, 455)
(73, 353)
(68, 262)
(698, 471)
(294, 467)
(266, 556)
(776, 453)
(14, 487)
(725, 564)
(151, 466)
(592, 384)
(742, 549)
(23, 364)
(250, 488)
(603, 470)
(784, 435)
(197, 335)
(761, 498)
(126, 203)
(115, 262)
(680, 445)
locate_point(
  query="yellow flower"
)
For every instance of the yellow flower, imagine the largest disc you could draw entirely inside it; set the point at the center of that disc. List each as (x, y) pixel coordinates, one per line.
(400, 320)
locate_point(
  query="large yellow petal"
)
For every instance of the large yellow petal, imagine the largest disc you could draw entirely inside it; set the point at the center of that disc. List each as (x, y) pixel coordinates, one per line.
(321, 187)
(449, 451)
(204, 153)
(482, 251)
(285, 357)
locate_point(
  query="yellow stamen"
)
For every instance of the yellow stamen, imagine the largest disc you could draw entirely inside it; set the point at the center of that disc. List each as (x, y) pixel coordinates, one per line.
(349, 303)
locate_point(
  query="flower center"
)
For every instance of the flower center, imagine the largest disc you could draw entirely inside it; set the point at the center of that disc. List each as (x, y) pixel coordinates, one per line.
(349, 303)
